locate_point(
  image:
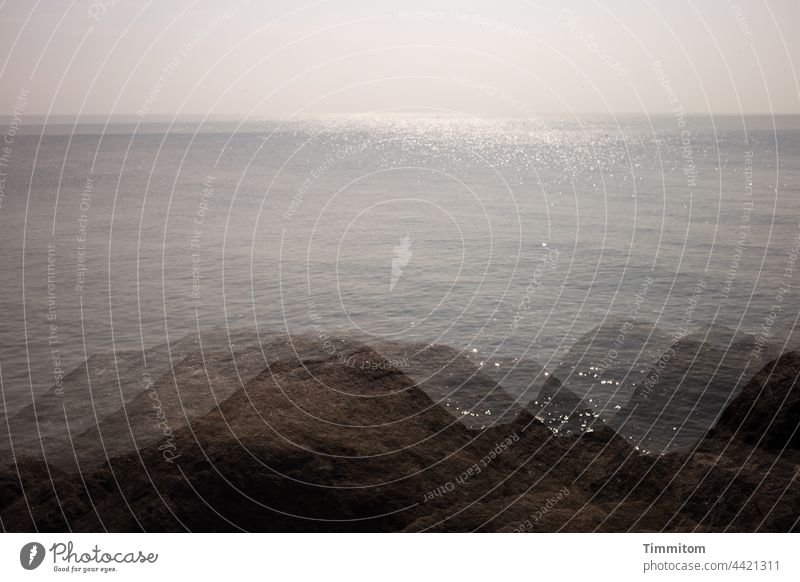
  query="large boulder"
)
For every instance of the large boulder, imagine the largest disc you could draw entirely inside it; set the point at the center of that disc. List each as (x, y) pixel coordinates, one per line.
(684, 393)
(766, 413)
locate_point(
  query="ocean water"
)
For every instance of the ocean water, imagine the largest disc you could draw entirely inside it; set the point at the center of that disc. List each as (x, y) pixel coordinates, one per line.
(510, 239)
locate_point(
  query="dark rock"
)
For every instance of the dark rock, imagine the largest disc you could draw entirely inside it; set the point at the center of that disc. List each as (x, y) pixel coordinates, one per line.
(684, 393)
(470, 390)
(346, 441)
(605, 365)
(562, 410)
(766, 413)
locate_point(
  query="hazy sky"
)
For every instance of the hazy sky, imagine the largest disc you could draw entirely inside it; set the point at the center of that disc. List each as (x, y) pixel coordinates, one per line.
(278, 58)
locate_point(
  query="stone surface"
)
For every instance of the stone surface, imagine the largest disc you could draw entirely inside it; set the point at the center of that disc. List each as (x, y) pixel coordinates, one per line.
(325, 442)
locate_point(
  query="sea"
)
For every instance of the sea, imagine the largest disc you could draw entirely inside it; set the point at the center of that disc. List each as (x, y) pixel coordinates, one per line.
(510, 239)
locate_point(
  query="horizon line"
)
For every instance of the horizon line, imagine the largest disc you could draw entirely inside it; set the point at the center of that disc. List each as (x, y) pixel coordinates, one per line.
(166, 117)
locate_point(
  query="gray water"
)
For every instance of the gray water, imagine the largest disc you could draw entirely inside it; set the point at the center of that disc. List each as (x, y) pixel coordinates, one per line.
(520, 236)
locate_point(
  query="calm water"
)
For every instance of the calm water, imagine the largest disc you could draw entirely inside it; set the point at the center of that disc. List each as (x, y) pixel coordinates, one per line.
(507, 237)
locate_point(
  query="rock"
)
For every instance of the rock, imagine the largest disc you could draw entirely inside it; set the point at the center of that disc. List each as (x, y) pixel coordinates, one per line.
(683, 394)
(470, 392)
(766, 413)
(93, 390)
(346, 441)
(605, 365)
(562, 410)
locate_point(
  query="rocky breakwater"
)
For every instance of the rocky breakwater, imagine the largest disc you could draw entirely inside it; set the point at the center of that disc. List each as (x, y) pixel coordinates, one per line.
(324, 442)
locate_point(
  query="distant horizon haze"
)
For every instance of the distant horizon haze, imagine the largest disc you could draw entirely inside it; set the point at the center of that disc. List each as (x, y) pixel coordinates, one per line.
(247, 60)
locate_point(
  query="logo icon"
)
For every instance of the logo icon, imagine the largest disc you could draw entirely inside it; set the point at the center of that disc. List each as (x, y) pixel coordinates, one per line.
(402, 255)
(31, 555)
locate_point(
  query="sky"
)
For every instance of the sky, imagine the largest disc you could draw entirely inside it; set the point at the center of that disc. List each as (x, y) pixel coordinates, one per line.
(252, 59)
